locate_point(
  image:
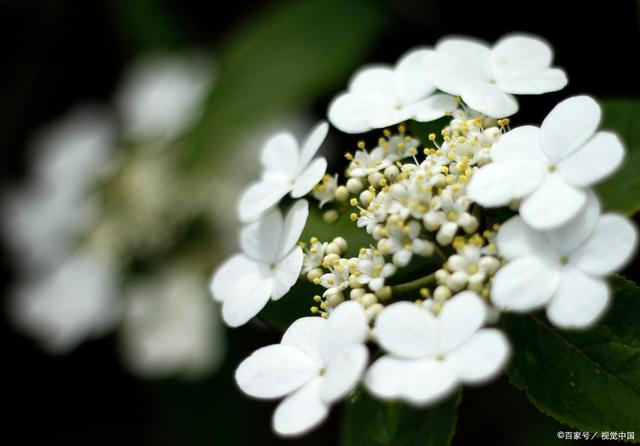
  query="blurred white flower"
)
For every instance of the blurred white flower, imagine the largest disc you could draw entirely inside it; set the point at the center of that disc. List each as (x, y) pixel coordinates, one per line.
(563, 269)
(318, 362)
(487, 77)
(380, 96)
(549, 168)
(430, 356)
(161, 96)
(267, 268)
(75, 301)
(41, 220)
(171, 326)
(287, 168)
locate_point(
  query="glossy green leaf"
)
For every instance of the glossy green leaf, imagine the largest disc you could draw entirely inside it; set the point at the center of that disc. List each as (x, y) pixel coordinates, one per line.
(589, 379)
(621, 191)
(372, 422)
(281, 62)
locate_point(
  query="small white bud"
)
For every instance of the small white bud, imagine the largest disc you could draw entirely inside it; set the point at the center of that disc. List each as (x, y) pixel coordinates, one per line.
(441, 293)
(315, 273)
(331, 216)
(489, 264)
(335, 299)
(342, 194)
(375, 178)
(333, 248)
(373, 311)
(391, 171)
(342, 243)
(354, 185)
(357, 293)
(365, 197)
(368, 299)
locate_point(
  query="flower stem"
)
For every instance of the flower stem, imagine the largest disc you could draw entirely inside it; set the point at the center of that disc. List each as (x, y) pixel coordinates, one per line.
(403, 289)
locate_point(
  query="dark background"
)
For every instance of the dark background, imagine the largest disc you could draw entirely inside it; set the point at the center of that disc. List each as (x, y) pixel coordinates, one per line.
(56, 53)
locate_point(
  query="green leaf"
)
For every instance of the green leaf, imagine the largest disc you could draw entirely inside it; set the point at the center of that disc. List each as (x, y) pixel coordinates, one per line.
(621, 191)
(589, 379)
(371, 422)
(280, 62)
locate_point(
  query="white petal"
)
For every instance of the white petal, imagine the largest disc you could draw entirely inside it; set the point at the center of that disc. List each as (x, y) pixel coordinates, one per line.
(568, 126)
(301, 411)
(346, 325)
(274, 371)
(374, 82)
(553, 79)
(280, 155)
(244, 287)
(434, 107)
(294, 224)
(516, 55)
(522, 143)
(576, 231)
(409, 76)
(313, 142)
(496, 184)
(309, 178)
(517, 239)
(350, 113)
(468, 48)
(595, 160)
(524, 284)
(386, 375)
(460, 317)
(286, 273)
(609, 247)
(260, 197)
(428, 381)
(451, 73)
(344, 372)
(482, 356)
(307, 334)
(580, 300)
(407, 330)
(552, 204)
(489, 99)
(259, 240)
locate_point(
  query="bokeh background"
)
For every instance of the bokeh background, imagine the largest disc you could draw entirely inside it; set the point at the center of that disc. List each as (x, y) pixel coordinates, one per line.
(273, 64)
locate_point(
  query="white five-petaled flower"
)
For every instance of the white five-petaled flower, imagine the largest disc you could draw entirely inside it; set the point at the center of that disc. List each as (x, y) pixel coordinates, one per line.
(428, 355)
(380, 96)
(318, 362)
(267, 268)
(564, 268)
(549, 168)
(287, 169)
(487, 77)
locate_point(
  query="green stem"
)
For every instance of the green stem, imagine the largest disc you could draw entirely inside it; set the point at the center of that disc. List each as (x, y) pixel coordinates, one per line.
(403, 289)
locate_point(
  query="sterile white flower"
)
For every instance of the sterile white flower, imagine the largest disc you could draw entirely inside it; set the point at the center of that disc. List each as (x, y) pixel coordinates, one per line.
(76, 301)
(287, 169)
(487, 77)
(318, 362)
(430, 356)
(170, 326)
(549, 168)
(562, 269)
(163, 95)
(267, 268)
(380, 96)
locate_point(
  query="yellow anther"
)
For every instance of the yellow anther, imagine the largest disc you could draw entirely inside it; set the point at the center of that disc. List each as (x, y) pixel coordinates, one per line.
(487, 233)
(316, 281)
(451, 156)
(314, 309)
(458, 242)
(302, 244)
(317, 298)
(361, 144)
(353, 216)
(324, 315)
(452, 216)
(444, 169)
(323, 305)
(353, 202)
(313, 240)
(386, 132)
(413, 151)
(425, 292)
(463, 178)
(402, 128)
(432, 136)
(348, 156)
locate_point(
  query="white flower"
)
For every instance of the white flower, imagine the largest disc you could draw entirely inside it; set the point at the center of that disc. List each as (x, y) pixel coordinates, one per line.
(468, 268)
(171, 326)
(373, 270)
(286, 169)
(314, 256)
(76, 301)
(318, 362)
(42, 220)
(564, 268)
(267, 268)
(162, 96)
(429, 356)
(325, 192)
(486, 77)
(380, 95)
(550, 167)
(337, 280)
(365, 163)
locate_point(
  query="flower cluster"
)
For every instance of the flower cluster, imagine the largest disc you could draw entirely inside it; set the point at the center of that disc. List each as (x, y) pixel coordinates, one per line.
(439, 267)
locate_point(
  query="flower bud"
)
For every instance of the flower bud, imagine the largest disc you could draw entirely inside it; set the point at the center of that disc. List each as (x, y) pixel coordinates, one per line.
(342, 194)
(384, 293)
(489, 264)
(353, 282)
(335, 299)
(441, 293)
(342, 243)
(391, 172)
(354, 185)
(373, 311)
(456, 281)
(365, 197)
(368, 299)
(331, 216)
(314, 273)
(357, 293)
(333, 248)
(375, 178)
